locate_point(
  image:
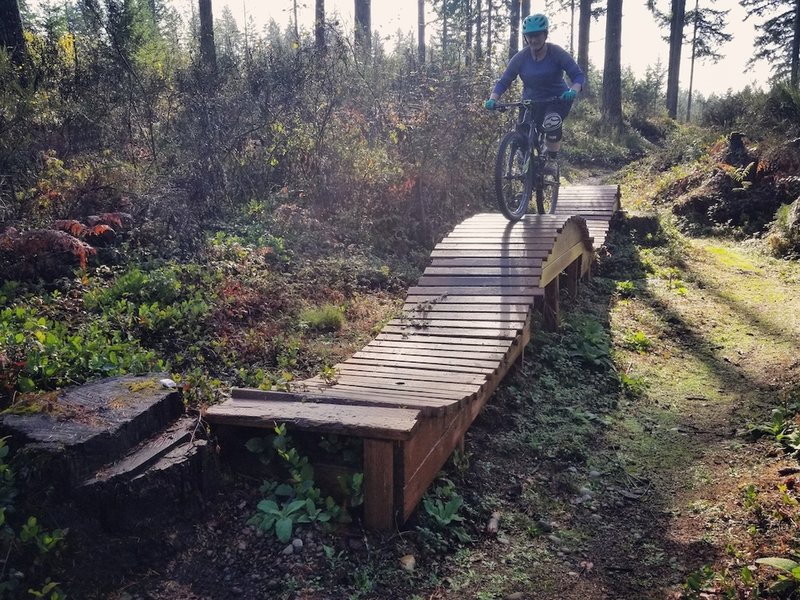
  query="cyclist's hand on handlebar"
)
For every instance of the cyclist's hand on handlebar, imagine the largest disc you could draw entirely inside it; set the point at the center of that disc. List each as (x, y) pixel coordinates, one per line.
(490, 104)
(569, 95)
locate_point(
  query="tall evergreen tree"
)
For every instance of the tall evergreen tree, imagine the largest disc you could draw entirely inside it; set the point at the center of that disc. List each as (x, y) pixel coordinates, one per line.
(11, 37)
(421, 31)
(612, 71)
(208, 51)
(779, 39)
(363, 14)
(468, 24)
(478, 30)
(585, 15)
(513, 39)
(676, 24)
(708, 34)
(319, 25)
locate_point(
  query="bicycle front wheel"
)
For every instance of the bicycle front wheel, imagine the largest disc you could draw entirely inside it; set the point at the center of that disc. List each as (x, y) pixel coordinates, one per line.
(511, 182)
(547, 192)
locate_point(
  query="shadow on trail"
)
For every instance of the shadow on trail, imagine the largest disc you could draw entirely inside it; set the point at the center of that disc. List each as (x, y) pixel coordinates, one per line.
(535, 458)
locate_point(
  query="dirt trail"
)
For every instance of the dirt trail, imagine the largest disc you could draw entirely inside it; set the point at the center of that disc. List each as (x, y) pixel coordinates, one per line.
(714, 341)
(649, 492)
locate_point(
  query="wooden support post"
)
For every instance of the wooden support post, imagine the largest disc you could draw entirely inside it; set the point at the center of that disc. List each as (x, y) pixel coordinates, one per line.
(550, 309)
(378, 484)
(573, 273)
(588, 275)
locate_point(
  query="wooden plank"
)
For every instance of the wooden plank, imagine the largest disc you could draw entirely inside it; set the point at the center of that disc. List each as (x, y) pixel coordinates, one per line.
(379, 492)
(436, 399)
(373, 363)
(475, 270)
(427, 344)
(480, 280)
(465, 315)
(449, 332)
(555, 266)
(424, 308)
(447, 352)
(415, 374)
(358, 421)
(443, 298)
(449, 340)
(422, 323)
(440, 362)
(444, 389)
(499, 252)
(474, 290)
(483, 261)
(325, 395)
(495, 245)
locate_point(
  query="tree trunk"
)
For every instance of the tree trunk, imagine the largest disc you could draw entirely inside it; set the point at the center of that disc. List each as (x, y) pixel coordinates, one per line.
(691, 64)
(11, 36)
(513, 40)
(612, 72)
(525, 10)
(489, 23)
(421, 31)
(444, 32)
(468, 36)
(478, 30)
(675, 42)
(584, 25)
(795, 65)
(363, 25)
(319, 25)
(296, 25)
(208, 52)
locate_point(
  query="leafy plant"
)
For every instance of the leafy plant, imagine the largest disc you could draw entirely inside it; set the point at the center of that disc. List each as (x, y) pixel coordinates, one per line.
(637, 341)
(626, 289)
(292, 502)
(632, 385)
(27, 546)
(281, 519)
(789, 576)
(589, 342)
(442, 523)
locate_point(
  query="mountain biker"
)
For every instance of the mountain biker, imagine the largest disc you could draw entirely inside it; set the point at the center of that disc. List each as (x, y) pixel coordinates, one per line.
(541, 67)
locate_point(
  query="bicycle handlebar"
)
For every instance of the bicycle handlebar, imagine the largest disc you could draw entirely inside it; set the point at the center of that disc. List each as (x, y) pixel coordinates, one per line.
(523, 103)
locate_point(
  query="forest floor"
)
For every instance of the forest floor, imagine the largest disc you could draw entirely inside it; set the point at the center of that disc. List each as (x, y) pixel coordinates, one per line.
(654, 487)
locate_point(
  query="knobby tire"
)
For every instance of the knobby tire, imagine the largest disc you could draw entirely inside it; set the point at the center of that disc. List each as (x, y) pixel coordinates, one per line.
(547, 194)
(513, 186)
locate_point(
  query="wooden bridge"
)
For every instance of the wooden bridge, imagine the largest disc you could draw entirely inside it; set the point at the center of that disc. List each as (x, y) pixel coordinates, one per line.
(413, 391)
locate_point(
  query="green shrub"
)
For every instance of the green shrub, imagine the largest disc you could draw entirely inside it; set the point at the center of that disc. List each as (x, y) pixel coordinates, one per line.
(326, 318)
(48, 355)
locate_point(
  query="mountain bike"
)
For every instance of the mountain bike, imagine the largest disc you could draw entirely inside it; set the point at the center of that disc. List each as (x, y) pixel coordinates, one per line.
(522, 165)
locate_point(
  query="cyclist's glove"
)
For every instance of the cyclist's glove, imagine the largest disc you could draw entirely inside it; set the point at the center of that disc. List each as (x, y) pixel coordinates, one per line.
(490, 104)
(569, 95)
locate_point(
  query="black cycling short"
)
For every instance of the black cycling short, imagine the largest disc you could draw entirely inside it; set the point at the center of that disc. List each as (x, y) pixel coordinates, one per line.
(538, 111)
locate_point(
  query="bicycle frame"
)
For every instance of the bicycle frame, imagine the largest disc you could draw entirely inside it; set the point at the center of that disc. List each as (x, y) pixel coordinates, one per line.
(535, 135)
(535, 157)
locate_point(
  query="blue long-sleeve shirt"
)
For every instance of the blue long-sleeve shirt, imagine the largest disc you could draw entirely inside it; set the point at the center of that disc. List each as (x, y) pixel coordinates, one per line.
(541, 79)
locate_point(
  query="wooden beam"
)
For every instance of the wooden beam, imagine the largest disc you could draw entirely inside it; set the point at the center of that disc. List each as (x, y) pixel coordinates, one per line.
(551, 306)
(379, 489)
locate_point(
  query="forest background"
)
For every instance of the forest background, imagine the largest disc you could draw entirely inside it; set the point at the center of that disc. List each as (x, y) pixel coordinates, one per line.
(184, 194)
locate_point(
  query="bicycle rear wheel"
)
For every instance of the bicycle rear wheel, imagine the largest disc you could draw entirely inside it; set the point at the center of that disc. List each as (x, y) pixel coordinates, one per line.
(511, 182)
(547, 192)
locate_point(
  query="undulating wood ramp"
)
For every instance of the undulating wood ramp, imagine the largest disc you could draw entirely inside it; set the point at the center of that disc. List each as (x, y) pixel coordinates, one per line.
(413, 391)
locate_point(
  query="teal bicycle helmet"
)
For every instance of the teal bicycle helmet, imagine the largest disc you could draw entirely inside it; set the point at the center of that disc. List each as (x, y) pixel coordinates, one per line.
(535, 24)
